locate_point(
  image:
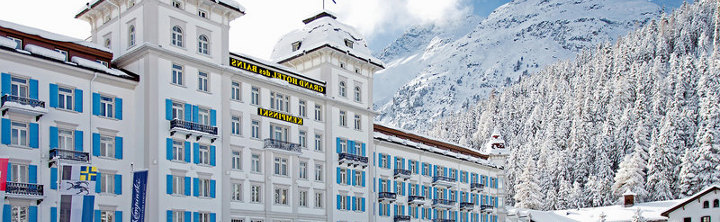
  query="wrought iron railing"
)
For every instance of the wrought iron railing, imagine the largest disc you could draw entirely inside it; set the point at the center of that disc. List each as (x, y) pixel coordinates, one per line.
(443, 202)
(25, 189)
(353, 157)
(486, 207)
(177, 123)
(69, 155)
(282, 145)
(443, 178)
(415, 198)
(477, 186)
(442, 220)
(467, 205)
(399, 172)
(22, 101)
(387, 195)
(401, 218)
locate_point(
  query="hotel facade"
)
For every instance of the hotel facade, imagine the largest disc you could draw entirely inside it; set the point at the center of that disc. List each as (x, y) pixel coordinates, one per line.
(224, 136)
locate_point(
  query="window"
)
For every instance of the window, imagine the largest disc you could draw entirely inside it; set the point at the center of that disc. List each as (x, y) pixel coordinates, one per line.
(426, 169)
(203, 217)
(107, 216)
(302, 198)
(107, 184)
(343, 176)
(203, 81)
(236, 160)
(279, 102)
(318, 142)
(19, 213)
(204, 157)
(178, 150)
(176, 4)
(177, 74)
(318, 199)
(237, 192)
(281, 166)
(452, 173)
(255, 194)
(687, 219)
(178, 111)
(357, 122)
(18, 42)
(705, 219)
(19, 173)
(202, 13)
(296, 45)
(235, 125)
(204, 187)
(357, 94)
(413, 166)
(131, 36)
(342, 89)
(349, 43)
(303, 170)
(318, 112)
(177, 35)
(279, 133)
(358, 178)
(302, 108)
(318, 172)
(19, 134)
(341, 202)
(255, 163)
(235, 91)
(107, 42)
(281, 195)
(178, 185)
(203, 44)
(358, 203)
(178, 216)
(204, 116)
(66, 139)
(255, 128)
(255, 96)
(343, 146)
(19, 87)
(706, 204)
(716, 203)
(302, 139)
(343, 118)
(107, 146)
(106, 106)
(65, 53)
(65, 98)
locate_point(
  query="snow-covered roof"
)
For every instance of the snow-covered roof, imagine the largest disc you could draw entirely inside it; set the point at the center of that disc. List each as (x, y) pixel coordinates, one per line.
(231, 4)
(51, 36)
(628, 192)
(322, 29)
(691, 198)
(616, 213)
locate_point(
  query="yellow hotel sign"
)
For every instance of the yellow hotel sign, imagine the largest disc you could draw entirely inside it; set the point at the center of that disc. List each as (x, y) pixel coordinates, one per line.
(276, 75)
(280, 116)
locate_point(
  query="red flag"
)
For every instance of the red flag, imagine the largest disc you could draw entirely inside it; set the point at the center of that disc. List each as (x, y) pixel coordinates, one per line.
(3, 173)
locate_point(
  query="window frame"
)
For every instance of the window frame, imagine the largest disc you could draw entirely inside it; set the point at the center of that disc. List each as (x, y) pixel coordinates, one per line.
(23, 130)
(178, 150)
(302, 170)
(357, 122)
(107, 106)
(255, 129)
(236, 91)
(131, 36)
(342, 118)
(236, 160)
(66, 100)
(177, 74)
(256, 163)
(66, 139)
(107, 146)
(177, 37)
(236, 125)
(203, 81)
(342, 88)
(319, 168)
(203, 44)
(358, 94)
(255, 96)
(280, 166)
(237, 192)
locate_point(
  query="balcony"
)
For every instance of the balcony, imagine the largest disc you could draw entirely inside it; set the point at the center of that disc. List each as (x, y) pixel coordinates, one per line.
(387, 197)
(416, 200)
(352, 160)
(23, 105)
(443, 203)
(443, 181)
(402, 174)
(467, 206)
(401, 218)
(68, 155)
(486, 208)
(287, 147)
(442, 220)
(193, 129)
(477, 187)
(25, 191)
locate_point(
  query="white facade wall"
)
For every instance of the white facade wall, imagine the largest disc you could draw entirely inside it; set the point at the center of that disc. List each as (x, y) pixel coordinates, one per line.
(696, 210)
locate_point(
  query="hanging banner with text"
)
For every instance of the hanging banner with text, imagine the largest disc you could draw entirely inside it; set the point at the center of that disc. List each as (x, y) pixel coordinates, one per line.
(139, 189)
(280, 116)
(297, 81)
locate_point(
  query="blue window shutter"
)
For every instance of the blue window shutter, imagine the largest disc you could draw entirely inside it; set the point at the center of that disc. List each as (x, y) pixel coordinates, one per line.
(5, 131)
(363, 149)
(97, 216)
(196, 217)
(32, 174)
(196, 153)
(187, 151)
(212, 155)
(188, 216)
(98, 185)
(434, 170)
(362, 204)
(169, 187)
(118, 108)
(196, 183)
(212, 217)
(79, 140)
(212, 188)
(339, 200)
(34, 143)
(6, 89)
(53, 137)
(6, 207)
(33, 91)
(118, 148)
(78, 100)
(337, 176)
(213, 121)
(195, 113)
(337, 145)
(54, 95)
(354, 203)
(118, 184)
(380, 160)
(188, 112)
(96, 144)
(169, 216)
(169, 149)
(187, 186)
(53, 214)
(53, 178)
(395, 166)
(351, 177)
(168, 109)
(445, 172)
(351, 147)
(394, 186)
(363, 178)
(96, 104)
(118, 216)
(422, 168)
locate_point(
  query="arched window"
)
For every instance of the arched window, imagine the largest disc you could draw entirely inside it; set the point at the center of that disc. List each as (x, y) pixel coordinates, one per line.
(203, 44)
(177, 36)
(131, 36)
(706, 204)
(342, 89)
(716, 203)
(357, 93)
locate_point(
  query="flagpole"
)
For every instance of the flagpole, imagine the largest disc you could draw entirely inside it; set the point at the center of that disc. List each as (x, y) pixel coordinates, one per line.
(57, 191)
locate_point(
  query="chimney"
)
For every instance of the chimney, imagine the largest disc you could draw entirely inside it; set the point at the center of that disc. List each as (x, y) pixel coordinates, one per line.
(628, 198)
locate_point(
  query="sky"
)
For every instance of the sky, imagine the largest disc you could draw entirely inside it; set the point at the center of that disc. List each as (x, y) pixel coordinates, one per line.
(266, 21)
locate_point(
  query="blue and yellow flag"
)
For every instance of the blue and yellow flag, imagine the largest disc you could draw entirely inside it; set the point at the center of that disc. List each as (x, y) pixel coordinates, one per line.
(88, 173)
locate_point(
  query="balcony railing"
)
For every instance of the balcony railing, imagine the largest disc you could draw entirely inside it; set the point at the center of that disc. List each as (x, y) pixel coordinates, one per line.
(443, 181)
(442, 220)
(352, 159)
(443, 203)
(402, 173)
(22, 100)
(412, 199)
(477, 187)
(486, 207)
(387, 197)
(401, 218)
(71, 155)
(25, 189)
(282, 145)
(467, 206)
(187, 125)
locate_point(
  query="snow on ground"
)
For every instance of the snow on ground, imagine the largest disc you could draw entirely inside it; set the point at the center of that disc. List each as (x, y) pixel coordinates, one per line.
(616, 213)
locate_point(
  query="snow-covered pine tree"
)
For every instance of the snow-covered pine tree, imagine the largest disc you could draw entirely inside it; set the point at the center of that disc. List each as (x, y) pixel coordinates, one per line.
(630, 176)
(527, 192)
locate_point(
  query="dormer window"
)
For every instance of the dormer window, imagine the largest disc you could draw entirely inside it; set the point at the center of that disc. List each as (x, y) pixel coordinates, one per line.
(296, 45)
(18, 42)
(177, 4)
(65, 53)
(202, 13)
(349, 43)
(103, 63)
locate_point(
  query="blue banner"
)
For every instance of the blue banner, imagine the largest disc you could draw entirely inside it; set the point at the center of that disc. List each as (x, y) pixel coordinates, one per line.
(137, 211)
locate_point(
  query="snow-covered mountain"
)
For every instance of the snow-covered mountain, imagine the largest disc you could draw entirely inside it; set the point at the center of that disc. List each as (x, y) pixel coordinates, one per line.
(432, 72)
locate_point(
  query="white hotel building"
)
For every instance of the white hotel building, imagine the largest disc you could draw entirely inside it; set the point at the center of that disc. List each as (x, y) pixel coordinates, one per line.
(225, 136)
